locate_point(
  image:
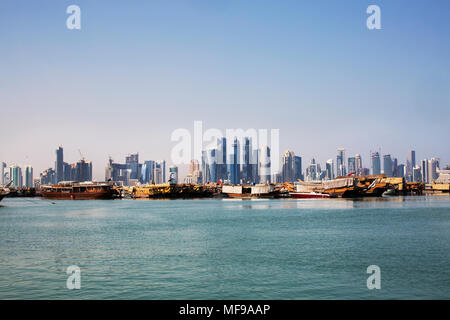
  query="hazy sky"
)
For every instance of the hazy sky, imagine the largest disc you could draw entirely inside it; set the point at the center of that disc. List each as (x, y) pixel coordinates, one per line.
(137, 70)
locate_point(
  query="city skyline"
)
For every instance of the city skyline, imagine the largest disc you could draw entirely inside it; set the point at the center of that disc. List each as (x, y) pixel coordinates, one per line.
(240, 168)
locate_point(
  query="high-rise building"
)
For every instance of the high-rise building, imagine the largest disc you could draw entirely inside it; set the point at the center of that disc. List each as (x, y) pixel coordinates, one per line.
(132, 162)
(29, 177)
(2, 173)
(287, 166)
(221, 156)
(340, 162)
(358, 164)
(376, 163)
(329, 168)
(352, 165)
(195, 175)
(209, 162)
(59, 165)
(417, 175)
(82, 171)
(233, 164)
(424, 170)
(48, 177)
(313, 171)
(432, 170)
(160, 171)
(264, 165)
(147, 172)
(298, 172)
(173, 174)
(15, 175)
(387, 165)
(400, 171)
(410, 164)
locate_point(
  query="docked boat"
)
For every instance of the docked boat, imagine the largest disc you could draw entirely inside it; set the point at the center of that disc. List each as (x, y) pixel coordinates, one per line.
(343, 187)
(80, 191)
(3, 193)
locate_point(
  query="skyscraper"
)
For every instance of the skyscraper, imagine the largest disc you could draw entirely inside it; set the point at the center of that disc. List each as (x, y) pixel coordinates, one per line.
(298, 173)
(15, 175)
(233, 163)
(209, 165)
(351, 165)
(417, 175)
(287, 166)
(59, 165)
(358, 164)
(329, 169)
(147, 172)
(159, 171)
(376, 164)
(132, 162)
(264, 165)
(424, 169)
(28, 177)
(410, 164)
(432, 170)
(387, 165)
(340, 162)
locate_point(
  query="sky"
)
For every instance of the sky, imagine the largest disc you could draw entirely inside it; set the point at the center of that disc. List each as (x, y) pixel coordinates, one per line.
(138, 70)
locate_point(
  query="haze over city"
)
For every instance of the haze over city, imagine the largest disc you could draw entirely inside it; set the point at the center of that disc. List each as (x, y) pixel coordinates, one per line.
(323, 79)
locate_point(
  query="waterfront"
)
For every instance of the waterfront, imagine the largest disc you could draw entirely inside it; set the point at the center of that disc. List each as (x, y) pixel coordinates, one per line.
(226, 249)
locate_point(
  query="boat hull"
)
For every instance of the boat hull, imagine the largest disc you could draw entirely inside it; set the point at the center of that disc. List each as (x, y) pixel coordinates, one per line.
(1, 197)
(309, 195)
(78, 196)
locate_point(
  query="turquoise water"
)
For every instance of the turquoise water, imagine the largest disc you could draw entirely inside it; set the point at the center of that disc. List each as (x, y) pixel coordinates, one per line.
(226, 249)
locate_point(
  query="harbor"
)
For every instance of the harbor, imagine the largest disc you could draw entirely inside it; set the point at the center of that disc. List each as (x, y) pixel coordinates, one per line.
(341, 187)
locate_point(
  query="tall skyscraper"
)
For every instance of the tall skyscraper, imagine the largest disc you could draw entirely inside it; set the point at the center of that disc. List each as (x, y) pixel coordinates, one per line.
(59, 165)
(424, 170)
(329, 167)
(358, 164)
(340, 162)
(221, 156)
(417, 175)
(209, 165)
(15, 175)
(28, 177)
(387, 165)
(287, 166)
(195, 175)
(298, 172)
(264, 165)
(132, 162)
(147, 172)
(432, 170)
(233, 163)
(351, 165)
(313, 171)
(376, 163)
(160, 171)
